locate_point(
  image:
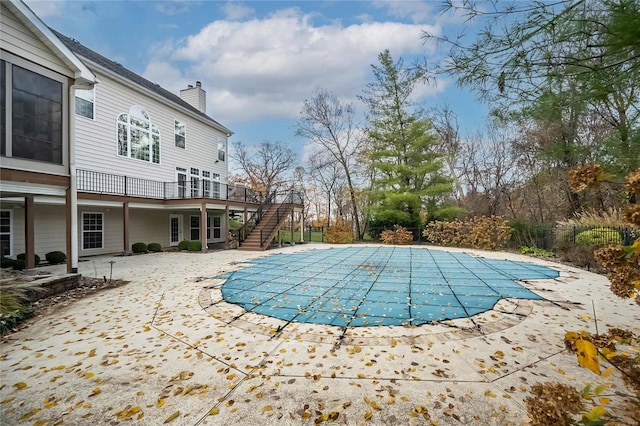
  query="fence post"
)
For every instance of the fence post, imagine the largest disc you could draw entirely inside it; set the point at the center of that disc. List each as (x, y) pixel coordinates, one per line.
(125, 185)
(574, 234)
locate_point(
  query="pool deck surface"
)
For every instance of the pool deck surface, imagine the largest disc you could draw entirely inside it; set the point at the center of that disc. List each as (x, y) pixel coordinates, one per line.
(166, 348)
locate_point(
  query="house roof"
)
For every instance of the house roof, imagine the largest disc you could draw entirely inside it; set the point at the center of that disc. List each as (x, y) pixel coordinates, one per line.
(123, 72)
(82, 74)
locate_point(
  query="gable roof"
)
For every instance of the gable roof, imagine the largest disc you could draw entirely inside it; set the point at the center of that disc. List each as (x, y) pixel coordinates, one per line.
(24, 14)
(123, 72)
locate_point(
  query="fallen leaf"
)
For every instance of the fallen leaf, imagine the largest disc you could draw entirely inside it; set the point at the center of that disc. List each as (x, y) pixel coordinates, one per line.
(172, 417)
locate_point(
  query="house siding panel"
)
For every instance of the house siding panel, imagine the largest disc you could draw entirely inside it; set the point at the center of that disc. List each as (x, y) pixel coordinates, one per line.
(49, 228)
(97, 139)
(112, 230)
(20, 40)
(151, 226)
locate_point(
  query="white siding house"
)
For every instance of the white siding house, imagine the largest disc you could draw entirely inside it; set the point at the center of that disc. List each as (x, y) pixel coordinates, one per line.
(38, 77)
(108, 164)
(107, 158)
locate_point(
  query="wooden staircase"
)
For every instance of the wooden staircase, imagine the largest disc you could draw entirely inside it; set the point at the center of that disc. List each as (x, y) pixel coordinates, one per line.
(271, 219)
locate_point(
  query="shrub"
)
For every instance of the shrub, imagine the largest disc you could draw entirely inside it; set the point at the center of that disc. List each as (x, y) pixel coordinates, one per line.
(154, 247)
(339, 233)
(194, 245)
(23, 257)
(480, 232)
(55, 257)
(6, 262)
(399, 236)
(139, 248)
(183, 245)
(19, 264)
(598, 237)
(579, 256)
(15, 302)
(535, 251)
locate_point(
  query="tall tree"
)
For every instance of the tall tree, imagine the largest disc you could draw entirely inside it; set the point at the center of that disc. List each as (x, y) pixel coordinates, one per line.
(331, 125)
(265, 165)
(591, 47)
(403, 144)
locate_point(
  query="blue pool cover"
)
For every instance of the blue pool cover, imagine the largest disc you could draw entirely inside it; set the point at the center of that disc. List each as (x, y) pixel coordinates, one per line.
(369, 286)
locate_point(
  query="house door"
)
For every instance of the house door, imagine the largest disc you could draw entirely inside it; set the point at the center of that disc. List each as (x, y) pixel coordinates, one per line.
(175, 229)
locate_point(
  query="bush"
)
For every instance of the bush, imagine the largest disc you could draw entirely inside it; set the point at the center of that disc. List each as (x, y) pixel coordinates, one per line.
(598, 237)
(399, 236)
(19, 264)
(486, 233)
(6, 262)
(339, 233)
(154, 247)
(183, 245)
(535, 251)
(23, 257)
(139, 248)
(579, 256)
(194, 245)
(55, 257)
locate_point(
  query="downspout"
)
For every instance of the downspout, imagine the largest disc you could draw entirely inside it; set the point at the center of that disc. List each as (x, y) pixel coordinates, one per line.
(73, 174)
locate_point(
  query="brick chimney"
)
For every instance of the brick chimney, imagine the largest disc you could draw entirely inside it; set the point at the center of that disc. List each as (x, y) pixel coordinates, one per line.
(195, 96)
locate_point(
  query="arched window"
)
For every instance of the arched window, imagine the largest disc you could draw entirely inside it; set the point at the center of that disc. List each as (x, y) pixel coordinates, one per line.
(138, 137)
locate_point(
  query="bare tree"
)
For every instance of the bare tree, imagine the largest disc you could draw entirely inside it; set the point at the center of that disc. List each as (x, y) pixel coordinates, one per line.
(330, 124)
(264, 165)
(329, 175)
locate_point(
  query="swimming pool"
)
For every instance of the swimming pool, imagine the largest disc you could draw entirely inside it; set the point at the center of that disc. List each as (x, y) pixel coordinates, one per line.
(369, 285)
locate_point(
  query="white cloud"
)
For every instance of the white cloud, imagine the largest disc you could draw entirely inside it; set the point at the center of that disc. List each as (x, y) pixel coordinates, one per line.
(235, 11)
(265, 67)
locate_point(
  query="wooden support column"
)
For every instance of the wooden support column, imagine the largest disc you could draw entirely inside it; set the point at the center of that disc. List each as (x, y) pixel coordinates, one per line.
(226, 225)
(125, 227)
(203, 227)
(67, 209)
(246, 215)
(29, 229)
(292, 228)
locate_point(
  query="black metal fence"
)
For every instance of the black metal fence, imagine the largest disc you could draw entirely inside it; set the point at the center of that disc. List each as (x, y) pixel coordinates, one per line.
(546, 237)
(112, 184)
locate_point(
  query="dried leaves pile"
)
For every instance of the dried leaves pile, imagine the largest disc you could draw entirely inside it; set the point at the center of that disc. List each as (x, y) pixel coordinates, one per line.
(480, 232)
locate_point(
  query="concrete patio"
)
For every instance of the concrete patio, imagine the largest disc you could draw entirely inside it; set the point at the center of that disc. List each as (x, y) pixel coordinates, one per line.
(165, 349)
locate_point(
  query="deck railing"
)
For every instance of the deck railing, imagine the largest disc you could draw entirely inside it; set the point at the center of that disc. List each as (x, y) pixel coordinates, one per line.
(113, 184)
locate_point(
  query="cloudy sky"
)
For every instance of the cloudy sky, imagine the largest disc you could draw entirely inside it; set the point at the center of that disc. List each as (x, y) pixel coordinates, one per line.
(258, 60)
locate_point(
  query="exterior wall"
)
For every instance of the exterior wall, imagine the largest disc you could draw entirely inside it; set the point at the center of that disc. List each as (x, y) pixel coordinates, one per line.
(18, 39)
(50, 230)
(97, 144)
(113, 230)
(149, 226)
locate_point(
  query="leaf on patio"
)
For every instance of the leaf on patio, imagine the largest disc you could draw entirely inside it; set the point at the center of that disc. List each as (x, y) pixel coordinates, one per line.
(172, 417)
(588, 355)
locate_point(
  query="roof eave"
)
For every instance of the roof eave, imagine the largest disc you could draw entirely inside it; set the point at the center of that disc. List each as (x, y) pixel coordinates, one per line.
(82, 74)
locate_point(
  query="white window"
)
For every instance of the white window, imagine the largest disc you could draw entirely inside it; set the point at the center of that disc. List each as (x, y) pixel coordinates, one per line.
(216, 185)
(181, 174)
(138, 137)
(92, 231)
(32, 110)
(217, 226)
(85, 103)
(6, 233)
(195, 182)
(194, 228)
(180, 132)
(222, 150)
